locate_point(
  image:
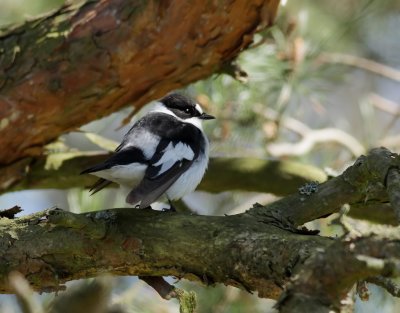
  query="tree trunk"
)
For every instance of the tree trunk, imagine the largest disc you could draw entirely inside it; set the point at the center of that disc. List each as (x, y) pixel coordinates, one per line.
(85, 61)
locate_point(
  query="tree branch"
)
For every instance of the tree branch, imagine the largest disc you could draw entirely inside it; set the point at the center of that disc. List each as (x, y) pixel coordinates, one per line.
(367, 180)
(187, 300)
(85, 61)
(55, 246)
(362, 63)
(247, 174)
(260, 250)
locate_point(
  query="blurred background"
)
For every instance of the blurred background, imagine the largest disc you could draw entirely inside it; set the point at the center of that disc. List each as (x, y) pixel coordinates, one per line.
(322, 87)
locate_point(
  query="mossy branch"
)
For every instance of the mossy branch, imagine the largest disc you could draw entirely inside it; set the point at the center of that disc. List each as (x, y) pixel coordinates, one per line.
(247, 174)
(260, 250)
(55, 246)
(369, 180)
(368, 201)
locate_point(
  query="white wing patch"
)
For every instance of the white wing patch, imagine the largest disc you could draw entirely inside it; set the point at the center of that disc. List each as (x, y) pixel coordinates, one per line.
(172, 154)
(136, 139)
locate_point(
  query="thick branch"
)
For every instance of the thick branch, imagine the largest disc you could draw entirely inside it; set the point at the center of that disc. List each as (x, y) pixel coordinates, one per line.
(247, 174)
(260, 250)
(368, 180)
(55, 246)
(86, 61)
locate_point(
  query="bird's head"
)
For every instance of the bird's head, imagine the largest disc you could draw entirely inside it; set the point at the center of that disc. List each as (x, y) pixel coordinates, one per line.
(184, 108)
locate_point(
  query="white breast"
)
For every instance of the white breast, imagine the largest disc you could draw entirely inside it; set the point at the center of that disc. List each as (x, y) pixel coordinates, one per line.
(189, 180)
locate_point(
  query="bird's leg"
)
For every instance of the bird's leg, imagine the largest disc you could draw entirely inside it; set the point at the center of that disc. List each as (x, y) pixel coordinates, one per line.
(146, 208)
(171, 207)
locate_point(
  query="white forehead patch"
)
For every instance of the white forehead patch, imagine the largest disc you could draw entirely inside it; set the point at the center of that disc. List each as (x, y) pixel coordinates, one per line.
(198, 108)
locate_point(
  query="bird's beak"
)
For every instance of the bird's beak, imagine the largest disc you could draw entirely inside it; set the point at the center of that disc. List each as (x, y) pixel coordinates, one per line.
(205, 116)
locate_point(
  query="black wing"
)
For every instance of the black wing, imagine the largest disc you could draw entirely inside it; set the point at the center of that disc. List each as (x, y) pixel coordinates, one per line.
(175, 135)
(127, 152)
(152, 188)
(120, 157)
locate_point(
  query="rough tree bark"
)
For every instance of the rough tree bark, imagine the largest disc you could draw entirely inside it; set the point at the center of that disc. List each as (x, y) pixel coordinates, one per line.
(260, 250)
(86, 61)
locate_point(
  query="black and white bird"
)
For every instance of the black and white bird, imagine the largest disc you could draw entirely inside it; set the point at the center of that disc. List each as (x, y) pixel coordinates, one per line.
(164, 154)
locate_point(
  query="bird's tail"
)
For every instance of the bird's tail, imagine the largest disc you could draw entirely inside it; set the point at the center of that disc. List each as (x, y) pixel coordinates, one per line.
(99, 185)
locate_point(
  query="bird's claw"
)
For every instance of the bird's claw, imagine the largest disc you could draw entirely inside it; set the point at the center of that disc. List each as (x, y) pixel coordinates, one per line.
(171, 207)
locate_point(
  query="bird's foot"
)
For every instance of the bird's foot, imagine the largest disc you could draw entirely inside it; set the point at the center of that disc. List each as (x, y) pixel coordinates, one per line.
(171, 207)
(146, 208)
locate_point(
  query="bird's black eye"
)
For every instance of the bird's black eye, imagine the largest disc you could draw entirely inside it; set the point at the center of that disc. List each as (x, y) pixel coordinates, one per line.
(189, 110)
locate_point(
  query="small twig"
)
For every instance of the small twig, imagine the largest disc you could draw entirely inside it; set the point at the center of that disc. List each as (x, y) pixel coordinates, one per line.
(314, 137)
(310, 136)
(93, 297)
(362, 290)
(11, 212)
(389, 107)
(384, 104)
(386, 284)
(362, 63)
(25, 297)
(165, 290)
(343, 221)
(288, 122)
(235, 71)
(187, 300)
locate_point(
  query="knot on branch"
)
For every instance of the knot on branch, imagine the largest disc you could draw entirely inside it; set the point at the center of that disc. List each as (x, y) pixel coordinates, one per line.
(94, 227)
(377, 176)
(380, 162)
(385, 166)
(373, 167)
(11, 212)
